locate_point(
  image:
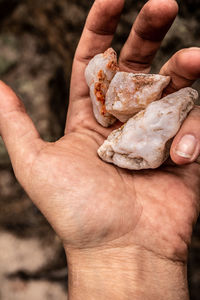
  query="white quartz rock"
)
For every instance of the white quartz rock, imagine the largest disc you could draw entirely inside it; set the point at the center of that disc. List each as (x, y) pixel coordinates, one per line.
(143, 141)
(99, 73)
(129, 93)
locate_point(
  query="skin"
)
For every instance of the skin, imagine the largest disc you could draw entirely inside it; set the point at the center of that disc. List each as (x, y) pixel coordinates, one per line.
(103, 214)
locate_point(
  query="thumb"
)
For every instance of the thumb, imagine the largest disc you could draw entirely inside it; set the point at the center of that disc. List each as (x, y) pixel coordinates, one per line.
(18, 131)
(186, 145)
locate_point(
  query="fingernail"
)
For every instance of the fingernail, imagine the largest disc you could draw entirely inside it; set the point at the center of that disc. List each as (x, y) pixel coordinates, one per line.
(187, 146)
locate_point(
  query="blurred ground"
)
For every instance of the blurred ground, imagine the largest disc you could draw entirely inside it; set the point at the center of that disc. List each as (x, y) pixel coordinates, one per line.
(37, 43)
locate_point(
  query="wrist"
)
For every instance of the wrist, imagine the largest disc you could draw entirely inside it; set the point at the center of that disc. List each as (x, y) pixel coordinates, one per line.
(125, 273)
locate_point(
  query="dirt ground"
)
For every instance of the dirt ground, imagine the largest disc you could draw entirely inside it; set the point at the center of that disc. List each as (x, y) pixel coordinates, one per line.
(37, 44)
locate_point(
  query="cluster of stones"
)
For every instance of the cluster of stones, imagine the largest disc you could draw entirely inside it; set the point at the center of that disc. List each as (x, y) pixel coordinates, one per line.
(143, 141)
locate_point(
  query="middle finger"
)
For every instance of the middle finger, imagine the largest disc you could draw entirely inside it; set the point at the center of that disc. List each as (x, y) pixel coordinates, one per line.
(148, 31)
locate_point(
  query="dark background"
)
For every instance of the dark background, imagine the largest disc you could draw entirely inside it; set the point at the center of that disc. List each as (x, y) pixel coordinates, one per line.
(37, 43)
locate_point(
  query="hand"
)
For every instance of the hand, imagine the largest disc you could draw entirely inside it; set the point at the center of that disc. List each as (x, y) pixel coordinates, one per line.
(102, 212)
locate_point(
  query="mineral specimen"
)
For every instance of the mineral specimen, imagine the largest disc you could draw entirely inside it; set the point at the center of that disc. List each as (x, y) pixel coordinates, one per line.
(143, 142)
(99, 73)
(129, 93)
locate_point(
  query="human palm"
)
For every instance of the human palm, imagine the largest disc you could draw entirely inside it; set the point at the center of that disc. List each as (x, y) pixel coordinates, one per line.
(98, 204)
(90, 203)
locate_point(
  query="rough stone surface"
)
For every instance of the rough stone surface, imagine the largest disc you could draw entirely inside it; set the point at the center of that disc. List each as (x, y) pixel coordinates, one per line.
(142, 142)
(129, 93)
(99, 73)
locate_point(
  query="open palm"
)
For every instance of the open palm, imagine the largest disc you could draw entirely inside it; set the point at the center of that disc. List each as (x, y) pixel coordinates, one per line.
(88, 202)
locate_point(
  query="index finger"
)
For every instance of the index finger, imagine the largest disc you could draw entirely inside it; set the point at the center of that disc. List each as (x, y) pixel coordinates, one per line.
(96, 38)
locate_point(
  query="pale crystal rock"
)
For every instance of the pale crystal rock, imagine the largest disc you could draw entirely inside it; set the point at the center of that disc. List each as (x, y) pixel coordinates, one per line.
(99, 73)
(143, 142)
(129, 93)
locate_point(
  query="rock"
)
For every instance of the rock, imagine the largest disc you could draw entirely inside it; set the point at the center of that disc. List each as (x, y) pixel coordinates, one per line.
(99, 73)
(143, 142)
(129, 93)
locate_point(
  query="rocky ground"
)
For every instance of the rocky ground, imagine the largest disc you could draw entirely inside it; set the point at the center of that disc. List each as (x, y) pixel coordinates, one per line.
(37, 43)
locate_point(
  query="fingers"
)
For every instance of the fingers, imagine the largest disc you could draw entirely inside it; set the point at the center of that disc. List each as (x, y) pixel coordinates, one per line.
(186, 145)
(183, 68)
(99, 28)
(96, 38)
(17, 130)
(147, 33)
